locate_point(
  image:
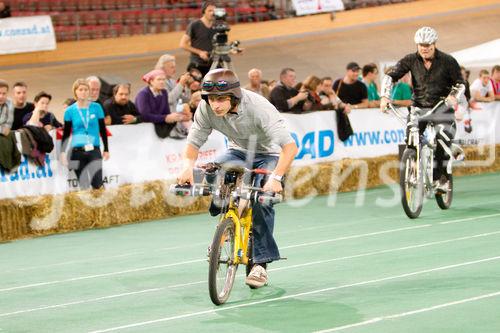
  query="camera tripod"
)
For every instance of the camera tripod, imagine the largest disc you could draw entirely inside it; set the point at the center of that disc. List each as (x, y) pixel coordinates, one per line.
(221, 57)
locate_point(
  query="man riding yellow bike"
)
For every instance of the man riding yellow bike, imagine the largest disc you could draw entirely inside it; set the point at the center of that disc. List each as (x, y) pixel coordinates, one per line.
(258, 138)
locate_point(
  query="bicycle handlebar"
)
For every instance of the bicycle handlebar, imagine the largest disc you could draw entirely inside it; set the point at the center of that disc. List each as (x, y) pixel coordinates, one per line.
(196, 190)
(253, 194)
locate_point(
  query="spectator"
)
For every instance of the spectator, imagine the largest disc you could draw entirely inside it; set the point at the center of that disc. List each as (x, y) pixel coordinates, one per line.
(402, 92)
(350, 90)
(152, 101)
(95, 89)
(482, 88)
(465, 76)
(189, 109)
(84, 122)
(4, 10)
(328, 96)
(119, 109)
(6, 109)
(310, 85)
(495, 81)
(271, 9)
(370, 72)
(41, 117)
(21, 106)
(175, 89)
(255, 84)
(198, 39)
(9, 154)
(271, 84)
(67, 102)
(284, 96)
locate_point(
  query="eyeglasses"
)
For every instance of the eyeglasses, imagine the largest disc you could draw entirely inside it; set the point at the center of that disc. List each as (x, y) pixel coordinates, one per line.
(221, 85)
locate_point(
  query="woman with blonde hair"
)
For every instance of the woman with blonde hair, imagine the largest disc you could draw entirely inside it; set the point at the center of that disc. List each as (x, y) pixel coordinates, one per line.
(84, 123)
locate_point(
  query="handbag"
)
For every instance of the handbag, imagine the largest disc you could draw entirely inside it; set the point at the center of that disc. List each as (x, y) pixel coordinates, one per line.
(344, 128)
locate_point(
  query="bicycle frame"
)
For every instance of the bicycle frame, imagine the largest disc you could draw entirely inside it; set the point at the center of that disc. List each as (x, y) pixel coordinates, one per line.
(242, 228)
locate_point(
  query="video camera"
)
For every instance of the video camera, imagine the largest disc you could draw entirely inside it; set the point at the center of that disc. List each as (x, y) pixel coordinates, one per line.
(220, 39)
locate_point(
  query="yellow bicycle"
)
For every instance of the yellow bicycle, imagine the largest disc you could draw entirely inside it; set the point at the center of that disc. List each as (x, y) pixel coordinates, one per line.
(232, 244)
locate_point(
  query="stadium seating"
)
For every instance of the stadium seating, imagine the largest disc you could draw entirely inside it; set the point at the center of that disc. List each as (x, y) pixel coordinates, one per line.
(90, 19)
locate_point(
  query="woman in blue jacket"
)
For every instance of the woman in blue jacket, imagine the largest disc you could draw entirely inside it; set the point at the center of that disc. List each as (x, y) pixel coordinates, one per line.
(84, 122)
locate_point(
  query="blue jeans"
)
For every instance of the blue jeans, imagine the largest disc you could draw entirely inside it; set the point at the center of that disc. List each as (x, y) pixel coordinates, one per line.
(265, 248)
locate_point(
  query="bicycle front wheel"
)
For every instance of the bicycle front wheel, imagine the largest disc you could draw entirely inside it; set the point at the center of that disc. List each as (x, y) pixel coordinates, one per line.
(444, 199)
(222, 270)
(412, 194)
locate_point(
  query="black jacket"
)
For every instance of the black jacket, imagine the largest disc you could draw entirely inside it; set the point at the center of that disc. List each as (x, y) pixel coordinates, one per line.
(429, 86)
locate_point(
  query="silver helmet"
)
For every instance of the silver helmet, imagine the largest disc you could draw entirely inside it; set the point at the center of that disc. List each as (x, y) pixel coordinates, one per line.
(426, 35)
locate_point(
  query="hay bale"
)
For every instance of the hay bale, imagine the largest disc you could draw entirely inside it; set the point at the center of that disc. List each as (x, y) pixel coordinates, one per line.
(42, 215)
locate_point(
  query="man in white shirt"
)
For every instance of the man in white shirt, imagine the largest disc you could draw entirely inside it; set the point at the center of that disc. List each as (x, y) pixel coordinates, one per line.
(481, 89)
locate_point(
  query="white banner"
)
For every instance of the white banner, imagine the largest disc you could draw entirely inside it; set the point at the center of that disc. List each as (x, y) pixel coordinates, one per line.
(306, 7)
(26, 34)
(138, 155)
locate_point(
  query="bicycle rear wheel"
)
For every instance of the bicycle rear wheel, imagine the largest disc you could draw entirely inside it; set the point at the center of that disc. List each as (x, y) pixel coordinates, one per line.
(412, 190)
(444, 199)
(222, 270)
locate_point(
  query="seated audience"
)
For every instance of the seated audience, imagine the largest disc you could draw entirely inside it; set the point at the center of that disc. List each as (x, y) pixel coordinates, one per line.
(370, 72)
(189, 108)
(495, 81)
(119, 109)
(95, 89)
(4, 10)
(328, 96)
(284, 96)
(175, 88)
(255, 84)
(41, 117)
(402, 92)
(9, 154)
(350, 90)
(152, 101)
(6, 109)
(482, 88)
(21, 106)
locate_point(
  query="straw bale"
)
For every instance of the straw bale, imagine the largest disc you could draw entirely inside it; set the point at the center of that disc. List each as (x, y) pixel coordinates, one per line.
(42, 215)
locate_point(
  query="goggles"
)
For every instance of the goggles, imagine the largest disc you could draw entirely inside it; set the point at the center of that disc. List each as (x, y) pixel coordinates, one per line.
(221, 85)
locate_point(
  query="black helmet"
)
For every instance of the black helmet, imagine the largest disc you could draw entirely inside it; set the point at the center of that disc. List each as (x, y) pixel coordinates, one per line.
(221, 81)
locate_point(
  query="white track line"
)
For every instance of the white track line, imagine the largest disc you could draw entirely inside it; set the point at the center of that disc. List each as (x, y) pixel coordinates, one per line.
(79, 302)
(101, 275)
(39, 284)
(203, 243)
(470, 219)
(276, 299)
(103, 258)
(355, 236)
(242, 275)
(410, 313)
(33, 285)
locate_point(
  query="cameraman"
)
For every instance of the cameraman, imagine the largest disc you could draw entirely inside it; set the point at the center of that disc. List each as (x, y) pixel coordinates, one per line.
(198, 39)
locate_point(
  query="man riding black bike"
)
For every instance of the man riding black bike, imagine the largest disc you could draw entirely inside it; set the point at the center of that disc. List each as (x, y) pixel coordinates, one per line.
(434, 73)
(258, 138)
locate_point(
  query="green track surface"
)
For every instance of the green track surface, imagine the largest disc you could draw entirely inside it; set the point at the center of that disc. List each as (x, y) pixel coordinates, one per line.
(351, 268)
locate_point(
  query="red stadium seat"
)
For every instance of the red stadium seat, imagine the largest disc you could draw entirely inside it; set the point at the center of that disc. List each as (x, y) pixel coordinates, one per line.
(83, 5)
(103, 17)
(108, 4)
(88, 18)
(70, 5)
(116, 18)
(130, 17)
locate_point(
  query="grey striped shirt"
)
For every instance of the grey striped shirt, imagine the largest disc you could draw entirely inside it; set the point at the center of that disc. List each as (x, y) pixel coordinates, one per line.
(257, 121)
(6, 115)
